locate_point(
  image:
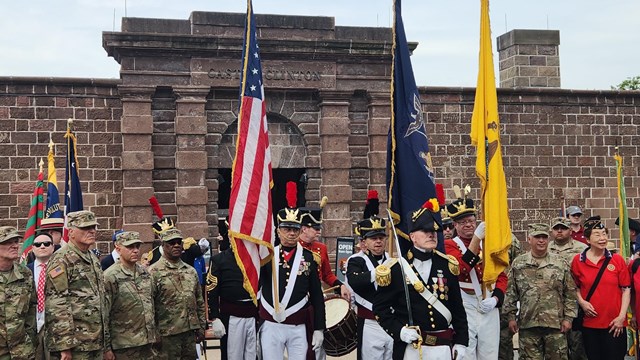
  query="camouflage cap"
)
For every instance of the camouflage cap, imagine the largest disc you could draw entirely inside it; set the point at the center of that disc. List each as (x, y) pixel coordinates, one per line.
(560, 221)
(171, 234)
(538, 229)
(81, 219)
(127, 238)
(7, 233)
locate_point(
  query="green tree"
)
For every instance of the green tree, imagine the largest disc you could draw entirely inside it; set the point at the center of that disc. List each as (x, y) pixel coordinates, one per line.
(631, 83)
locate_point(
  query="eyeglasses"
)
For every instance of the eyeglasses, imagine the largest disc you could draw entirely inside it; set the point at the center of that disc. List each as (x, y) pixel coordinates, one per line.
(45, 244)
(174, 242)
(466, 222)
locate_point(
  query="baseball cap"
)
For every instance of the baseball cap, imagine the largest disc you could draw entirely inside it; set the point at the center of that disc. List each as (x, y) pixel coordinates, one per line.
(573, 210)
(126, 238)
(560, 221)
(81, 219)
(538, 229)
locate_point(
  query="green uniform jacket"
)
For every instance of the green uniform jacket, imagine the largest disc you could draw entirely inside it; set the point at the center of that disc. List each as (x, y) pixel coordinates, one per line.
(129, 303)
(178, 299)
(547, 292)
(17, 314)
(75, 316)
(568, 251)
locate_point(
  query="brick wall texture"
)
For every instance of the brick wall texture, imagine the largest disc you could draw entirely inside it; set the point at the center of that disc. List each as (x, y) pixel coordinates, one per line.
(556, 144)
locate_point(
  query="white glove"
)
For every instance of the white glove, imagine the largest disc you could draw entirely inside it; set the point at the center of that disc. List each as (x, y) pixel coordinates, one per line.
(480, 231)
(488, 304)
(218, 328)
(204, 244)
(317, 339)
(458, 351)
(409, 335)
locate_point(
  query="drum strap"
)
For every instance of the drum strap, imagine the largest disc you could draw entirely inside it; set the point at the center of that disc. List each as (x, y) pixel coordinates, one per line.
(430, 297)
(475, 282)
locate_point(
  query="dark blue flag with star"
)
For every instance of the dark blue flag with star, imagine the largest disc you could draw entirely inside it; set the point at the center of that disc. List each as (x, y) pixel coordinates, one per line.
(410, 177)
(72, 189)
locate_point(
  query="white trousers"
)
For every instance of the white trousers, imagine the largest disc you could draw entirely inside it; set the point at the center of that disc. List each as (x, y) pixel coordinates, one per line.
(428, 353)
(484, 330)
(376, 343)
(241, 338)
(275, 338)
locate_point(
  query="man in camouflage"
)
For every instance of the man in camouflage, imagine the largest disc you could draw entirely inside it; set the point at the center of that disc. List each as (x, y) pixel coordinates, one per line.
(543, 285)
(564, 245)
(178, 301)
(505, 352)
(17, 301)
(129, 303)
(75, 318)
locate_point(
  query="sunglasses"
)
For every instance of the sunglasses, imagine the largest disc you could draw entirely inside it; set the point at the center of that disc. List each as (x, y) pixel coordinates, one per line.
(448, 227)
(45, 244)
(174, 242)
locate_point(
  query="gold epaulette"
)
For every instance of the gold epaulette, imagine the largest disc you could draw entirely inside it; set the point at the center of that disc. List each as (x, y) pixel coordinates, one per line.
(316, 257)
(383, 273)
(454, 265)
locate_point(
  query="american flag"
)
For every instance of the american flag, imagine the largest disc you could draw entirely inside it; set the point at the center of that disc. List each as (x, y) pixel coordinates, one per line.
(251, 227)
(72, 189)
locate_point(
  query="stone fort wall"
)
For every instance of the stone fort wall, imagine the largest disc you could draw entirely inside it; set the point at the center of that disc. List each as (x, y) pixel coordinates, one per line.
(167, 127)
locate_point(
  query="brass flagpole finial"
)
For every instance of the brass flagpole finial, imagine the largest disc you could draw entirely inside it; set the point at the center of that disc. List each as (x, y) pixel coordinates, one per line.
(41, 164)
(51, 144)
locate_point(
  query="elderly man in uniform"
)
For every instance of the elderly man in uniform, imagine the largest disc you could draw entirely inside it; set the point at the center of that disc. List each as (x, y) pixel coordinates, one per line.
(439, 320)
(481, 306)
(231, 307)
(373, 342)
(541, 281)
(564, 245)
(178, 300)
(75, 294)
(18, 301)
(129, 303)
(42, 249)
(297, 286)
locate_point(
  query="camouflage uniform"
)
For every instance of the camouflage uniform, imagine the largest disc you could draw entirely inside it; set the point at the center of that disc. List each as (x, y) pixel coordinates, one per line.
(179, 304)
(75, 317)
(17, 308)
(505, 352)
(568, 250)
(547, 296)
(129, 303)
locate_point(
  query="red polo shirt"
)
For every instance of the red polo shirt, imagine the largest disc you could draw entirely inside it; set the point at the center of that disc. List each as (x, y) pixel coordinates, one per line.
(579, 236)
(607, 298)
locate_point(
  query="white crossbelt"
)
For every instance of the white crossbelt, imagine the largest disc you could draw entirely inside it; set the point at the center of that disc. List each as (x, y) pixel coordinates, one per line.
(475, 282)
(430, 297)
(288, 289)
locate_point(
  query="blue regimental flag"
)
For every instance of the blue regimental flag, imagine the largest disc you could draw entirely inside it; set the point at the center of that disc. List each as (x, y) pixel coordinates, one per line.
(72, 189)
(410, 177)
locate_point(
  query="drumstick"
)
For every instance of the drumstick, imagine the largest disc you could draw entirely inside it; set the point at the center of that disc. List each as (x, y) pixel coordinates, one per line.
(331, 289)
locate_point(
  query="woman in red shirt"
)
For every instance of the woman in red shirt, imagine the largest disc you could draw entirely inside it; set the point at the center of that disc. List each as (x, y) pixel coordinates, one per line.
(605, 313)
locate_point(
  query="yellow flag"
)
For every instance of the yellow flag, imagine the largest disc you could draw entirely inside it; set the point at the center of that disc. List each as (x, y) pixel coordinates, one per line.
(485, 136)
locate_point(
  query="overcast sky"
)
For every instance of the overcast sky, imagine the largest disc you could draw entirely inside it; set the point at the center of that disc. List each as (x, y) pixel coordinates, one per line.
(599, 40)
